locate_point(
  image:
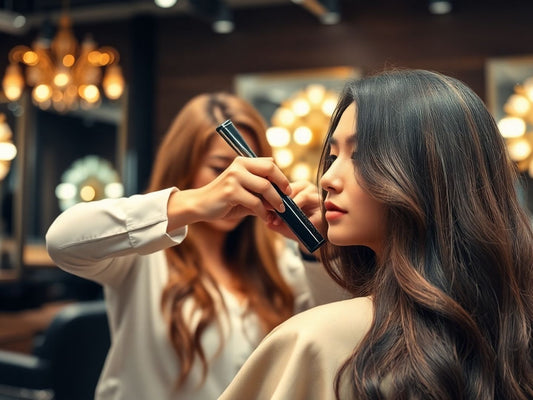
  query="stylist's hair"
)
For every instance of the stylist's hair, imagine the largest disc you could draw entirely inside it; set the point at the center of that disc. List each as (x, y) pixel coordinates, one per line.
(453, 288)
(249, 248)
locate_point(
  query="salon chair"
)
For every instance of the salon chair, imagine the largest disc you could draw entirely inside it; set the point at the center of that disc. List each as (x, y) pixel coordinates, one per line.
(66, 360)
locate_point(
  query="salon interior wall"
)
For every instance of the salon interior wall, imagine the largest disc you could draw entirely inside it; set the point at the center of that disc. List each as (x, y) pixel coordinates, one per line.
(371, 36)
(169, 59)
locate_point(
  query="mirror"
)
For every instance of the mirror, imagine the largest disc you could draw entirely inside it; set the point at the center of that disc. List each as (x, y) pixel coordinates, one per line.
(8, 183)
(509, 82)
(297, 106)
(49, 144)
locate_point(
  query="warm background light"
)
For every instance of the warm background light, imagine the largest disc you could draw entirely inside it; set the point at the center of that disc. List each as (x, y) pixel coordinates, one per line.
(13, 82)
(87, 193)
(283, 157)
(88, 179)
(8, 151)
(64, 75)
(298, 128)
(517, 126)
(512, 127)
(278, 136)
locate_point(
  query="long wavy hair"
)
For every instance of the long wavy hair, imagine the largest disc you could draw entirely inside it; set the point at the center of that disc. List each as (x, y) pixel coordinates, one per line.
(452, 291)
(249, 249)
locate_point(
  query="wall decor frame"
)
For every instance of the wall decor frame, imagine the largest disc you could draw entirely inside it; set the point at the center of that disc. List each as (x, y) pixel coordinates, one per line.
(267, 90)
(298, 132)
(47, 144)
(503, 76)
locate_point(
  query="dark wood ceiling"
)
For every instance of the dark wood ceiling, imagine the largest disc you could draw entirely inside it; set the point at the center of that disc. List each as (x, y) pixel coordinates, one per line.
(38, 11)
(33, 7)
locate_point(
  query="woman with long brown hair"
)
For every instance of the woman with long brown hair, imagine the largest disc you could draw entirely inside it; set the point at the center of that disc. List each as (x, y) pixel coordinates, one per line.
(426, 231)
(192, 280)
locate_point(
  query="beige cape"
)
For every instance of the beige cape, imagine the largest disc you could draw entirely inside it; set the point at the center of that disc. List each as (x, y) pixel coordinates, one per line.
(300, 358)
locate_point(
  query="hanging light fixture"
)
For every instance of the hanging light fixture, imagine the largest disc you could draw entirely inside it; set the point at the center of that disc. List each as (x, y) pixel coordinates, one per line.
(8, 151)
(63, 74)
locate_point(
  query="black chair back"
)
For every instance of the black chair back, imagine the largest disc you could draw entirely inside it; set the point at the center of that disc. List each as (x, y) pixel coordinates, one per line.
(76, 344)
(67, 359)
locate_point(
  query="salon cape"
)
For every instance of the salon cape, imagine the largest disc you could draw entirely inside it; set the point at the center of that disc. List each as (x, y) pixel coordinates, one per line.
(119, 243)
(300, 358)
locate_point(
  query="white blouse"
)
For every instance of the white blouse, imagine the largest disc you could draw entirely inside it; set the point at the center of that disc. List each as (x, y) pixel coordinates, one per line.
(119, 243)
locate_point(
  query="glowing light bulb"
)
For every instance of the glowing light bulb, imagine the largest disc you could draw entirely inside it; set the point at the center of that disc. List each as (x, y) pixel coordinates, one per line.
(519, 150)
(30, 58)
(13, 82)
(517, 105)
(42, 93)
(328, 106)
(90, 93)
(87, 193)
(315, 93)
(61, 79)
(511, 127)
(65, 191)
(283, 157)
(69, 60)
(300, 172)
(303, 135)
(13, 93)
(114, 190)
(301, 107)
(165, 3)
(278, 136)
(283, 116)
(8, 151)
(113, 82)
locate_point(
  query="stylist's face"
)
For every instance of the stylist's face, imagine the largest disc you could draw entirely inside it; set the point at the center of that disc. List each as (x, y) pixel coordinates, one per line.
(353, 217)
(218, 157)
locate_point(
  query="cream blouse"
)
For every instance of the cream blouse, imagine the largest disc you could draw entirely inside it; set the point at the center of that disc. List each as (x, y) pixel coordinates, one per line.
(119, 243)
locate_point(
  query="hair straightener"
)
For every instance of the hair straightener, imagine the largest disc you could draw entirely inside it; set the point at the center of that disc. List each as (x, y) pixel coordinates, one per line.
(293, 216)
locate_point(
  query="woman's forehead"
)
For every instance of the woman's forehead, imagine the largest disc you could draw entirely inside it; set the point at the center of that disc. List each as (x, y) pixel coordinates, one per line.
(345, 129)
(219, 147)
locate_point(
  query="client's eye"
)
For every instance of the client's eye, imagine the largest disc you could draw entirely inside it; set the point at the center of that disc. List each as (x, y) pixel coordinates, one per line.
(217, 170)
(330, 159)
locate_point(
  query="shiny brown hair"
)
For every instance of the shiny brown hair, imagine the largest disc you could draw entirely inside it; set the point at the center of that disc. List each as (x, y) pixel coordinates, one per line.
(249, 248)
(452, 291)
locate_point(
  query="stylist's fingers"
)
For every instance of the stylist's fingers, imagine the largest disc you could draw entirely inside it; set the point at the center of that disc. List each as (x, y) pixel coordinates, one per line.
(266, 168)
(244, 188)
(307, 196)
(303, 189)
(243, 202)
(227, 198)
(258, 175)
(264, 190)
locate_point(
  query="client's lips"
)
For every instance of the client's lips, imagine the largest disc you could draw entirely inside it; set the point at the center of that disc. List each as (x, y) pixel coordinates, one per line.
(332, 207)
(333, 211)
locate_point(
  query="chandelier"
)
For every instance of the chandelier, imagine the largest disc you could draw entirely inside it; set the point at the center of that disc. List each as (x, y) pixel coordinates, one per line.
(64, 75)
(517, 126)
(298, 128)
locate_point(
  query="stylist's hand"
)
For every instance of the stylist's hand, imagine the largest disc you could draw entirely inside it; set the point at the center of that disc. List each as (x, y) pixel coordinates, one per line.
(243, 188)
(307, 197)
